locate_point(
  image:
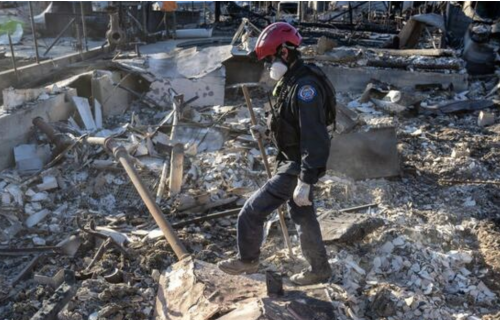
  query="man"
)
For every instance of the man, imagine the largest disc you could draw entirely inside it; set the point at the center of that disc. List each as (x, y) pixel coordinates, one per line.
(305, 106)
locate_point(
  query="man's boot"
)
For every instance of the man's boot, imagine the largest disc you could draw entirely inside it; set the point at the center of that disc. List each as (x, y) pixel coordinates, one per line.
(309, 277)
(236, 266)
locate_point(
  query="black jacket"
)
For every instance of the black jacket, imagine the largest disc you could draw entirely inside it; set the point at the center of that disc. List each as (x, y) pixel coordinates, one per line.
(299, 125)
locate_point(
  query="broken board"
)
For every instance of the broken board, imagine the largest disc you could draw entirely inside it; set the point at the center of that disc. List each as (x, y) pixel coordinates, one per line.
(365, 154)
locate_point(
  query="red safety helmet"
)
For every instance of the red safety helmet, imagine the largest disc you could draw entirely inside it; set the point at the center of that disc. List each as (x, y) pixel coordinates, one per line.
(273, 36)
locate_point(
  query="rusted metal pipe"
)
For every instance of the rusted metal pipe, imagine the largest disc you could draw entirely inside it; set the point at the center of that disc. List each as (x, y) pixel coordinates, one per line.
(121, 154)
(33, 30)
(60, 140)
(13, 56)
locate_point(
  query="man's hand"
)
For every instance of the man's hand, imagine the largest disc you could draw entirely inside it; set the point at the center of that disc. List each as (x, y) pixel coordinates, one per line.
(258, 132)
(301, 194)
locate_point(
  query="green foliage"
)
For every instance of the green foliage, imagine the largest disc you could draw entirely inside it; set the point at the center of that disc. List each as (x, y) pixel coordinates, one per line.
(9, 26)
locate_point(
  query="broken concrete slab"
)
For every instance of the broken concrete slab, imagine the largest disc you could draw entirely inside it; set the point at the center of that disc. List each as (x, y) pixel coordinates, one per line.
(366, 154)
(347, 227)
(83, 107)
(209, 89)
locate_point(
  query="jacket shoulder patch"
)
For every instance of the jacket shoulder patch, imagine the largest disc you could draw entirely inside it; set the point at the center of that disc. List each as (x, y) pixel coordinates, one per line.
(307, 93)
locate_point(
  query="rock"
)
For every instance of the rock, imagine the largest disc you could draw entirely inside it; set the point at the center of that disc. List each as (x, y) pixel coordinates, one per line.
(485, 119)
(34, 219)
(387, 247)
(39, 241)
(469, 202)
(225, 222)
(40, 196)
(398, 242)
(6, 199)
(54, 228)
(49, 183)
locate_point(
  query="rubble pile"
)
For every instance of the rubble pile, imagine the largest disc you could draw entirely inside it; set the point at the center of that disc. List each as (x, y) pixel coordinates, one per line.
(88, 189)
(419, 241)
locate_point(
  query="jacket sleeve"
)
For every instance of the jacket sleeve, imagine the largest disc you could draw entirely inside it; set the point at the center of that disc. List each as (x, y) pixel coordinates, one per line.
(314, 138)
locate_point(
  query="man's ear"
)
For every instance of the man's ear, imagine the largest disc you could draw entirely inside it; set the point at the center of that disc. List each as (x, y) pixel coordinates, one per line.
(284, 54)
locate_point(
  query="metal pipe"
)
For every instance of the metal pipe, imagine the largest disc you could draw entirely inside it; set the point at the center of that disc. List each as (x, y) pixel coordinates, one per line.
(60, 35)
(121, 154)
(281, 210)
(13, 56)
(217, 215)
(77, 30)
(61, 141)
(84, 26)
(33, 30)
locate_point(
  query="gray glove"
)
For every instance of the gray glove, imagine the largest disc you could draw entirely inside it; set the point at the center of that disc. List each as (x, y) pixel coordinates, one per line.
(258, 132)
(301, 194)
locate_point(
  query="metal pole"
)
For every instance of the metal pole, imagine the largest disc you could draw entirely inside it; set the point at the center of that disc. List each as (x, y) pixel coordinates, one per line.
(281, 212)
(77, 28)
(13, 57)
(33, 30)
(123, 157)
(60, 35)
(84, 26)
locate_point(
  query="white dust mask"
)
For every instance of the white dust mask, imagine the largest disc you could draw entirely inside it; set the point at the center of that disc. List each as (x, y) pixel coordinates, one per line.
(278, 70)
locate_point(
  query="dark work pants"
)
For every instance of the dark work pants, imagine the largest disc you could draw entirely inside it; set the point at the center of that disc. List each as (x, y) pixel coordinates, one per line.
(278, 190)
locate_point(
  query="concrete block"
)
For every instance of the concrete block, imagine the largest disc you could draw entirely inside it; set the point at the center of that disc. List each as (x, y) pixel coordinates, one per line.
(13, 98)
(27, 159)
(114, 101)
(485, 119)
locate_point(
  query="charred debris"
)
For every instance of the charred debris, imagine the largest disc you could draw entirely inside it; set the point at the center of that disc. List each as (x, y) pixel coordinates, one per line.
(125, 148)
